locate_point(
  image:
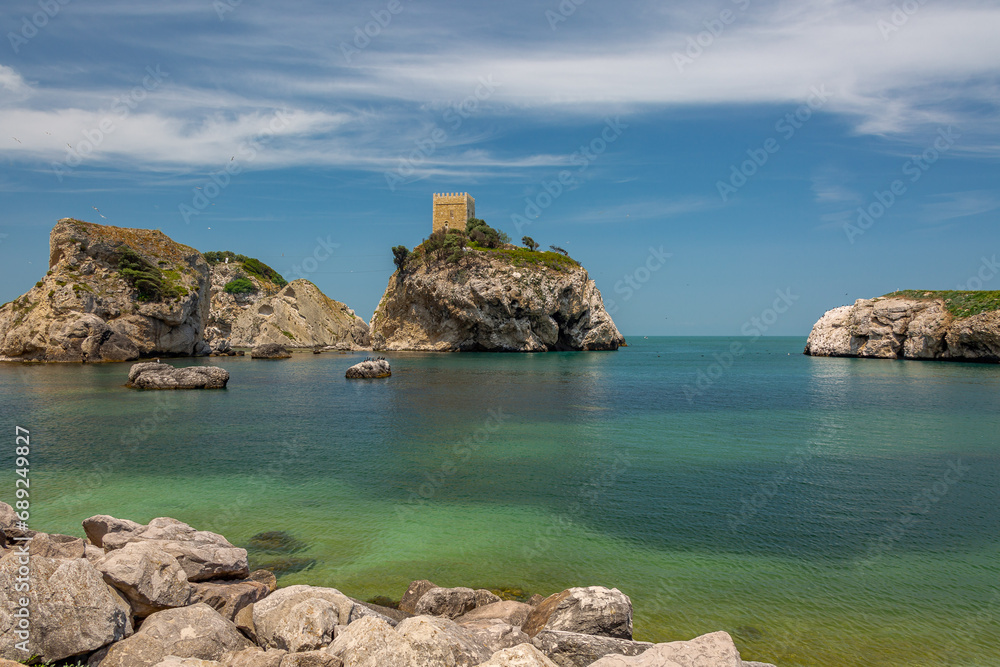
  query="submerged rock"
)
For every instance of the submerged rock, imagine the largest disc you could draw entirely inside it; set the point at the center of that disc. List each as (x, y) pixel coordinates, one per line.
(369, 369)
(152, 375)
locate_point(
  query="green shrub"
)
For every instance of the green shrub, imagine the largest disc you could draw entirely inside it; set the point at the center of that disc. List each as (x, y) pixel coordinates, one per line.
(145, 278)
(400, 253)
(254, 267)
(958, 303)
(240, 286)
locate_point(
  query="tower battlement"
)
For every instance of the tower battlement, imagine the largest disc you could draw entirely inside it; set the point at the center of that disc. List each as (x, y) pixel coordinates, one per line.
(452, 210)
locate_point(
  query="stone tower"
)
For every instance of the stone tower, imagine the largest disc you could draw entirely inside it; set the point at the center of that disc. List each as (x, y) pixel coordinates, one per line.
(452, 210)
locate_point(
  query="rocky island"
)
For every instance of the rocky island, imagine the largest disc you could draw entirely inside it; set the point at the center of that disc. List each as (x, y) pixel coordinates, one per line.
(469, 290)
(253, 305)
(912, 324)
(120, 294)
(110, 294)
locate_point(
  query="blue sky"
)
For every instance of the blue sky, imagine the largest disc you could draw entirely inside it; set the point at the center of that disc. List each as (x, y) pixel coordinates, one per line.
(743, 138)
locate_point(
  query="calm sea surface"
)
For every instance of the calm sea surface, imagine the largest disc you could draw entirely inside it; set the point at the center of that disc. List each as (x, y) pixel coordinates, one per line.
(823, 511)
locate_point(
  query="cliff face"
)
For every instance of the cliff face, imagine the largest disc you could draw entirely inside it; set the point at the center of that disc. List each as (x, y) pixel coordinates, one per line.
(487, 302)
(226, 308)
(907, 327)
(87, 309)
(299, 315)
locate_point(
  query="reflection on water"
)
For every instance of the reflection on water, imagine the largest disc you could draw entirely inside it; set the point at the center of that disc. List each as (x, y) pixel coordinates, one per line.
(774, 505)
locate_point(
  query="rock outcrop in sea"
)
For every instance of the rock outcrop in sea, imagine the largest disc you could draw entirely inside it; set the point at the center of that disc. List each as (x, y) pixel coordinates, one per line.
(164, 594)
(154, 375)
(369, 369)
(500, 300)
(299, 316)
(915, 324)
(110, 294)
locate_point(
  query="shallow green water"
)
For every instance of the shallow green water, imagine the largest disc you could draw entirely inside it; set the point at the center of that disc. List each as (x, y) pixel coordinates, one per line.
(823, 511)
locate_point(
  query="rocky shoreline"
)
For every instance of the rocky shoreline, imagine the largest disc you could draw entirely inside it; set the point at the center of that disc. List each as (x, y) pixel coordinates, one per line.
(948, 326)
(164, 594)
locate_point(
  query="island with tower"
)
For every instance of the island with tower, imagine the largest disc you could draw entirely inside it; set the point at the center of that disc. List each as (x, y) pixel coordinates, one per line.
(467, 287)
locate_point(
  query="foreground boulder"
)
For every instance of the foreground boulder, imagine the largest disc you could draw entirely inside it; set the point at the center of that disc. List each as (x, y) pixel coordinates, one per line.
(197, 631)
(523, 655)
(300, 618)
(508, 611)
(369, 369)
(150, 578)
(484, 301)
(440, 641)
(110, 294)
(270, 351)
(73, 611)
(447, 602)
(412, 595)
(594, 610)
(152, 375)
(228, 597)
(713, 650)
(202, 554)
(575, 649)
(911, 325)
(494, 634)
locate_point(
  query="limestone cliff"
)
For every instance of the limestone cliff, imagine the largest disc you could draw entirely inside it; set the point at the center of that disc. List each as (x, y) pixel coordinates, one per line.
(226, 307)
(492, 300)
(299, 315)
(111, 294)
(958, 326)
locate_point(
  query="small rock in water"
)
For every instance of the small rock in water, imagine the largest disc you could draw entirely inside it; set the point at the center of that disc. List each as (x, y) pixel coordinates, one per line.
(369, 368)
(154, 375)
(270, 351)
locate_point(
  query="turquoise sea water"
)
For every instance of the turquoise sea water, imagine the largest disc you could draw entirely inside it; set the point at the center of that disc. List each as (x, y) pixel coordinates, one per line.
(823, 511)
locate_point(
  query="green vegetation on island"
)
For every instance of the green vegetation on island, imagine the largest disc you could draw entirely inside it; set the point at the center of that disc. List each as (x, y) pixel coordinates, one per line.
(241, 285)
(959, 303)
(254, 267)
(453, 244)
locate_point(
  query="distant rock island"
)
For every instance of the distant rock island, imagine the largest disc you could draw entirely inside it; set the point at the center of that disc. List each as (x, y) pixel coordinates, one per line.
(913, 324)
(252, 305)
(467, 289)
(119, 294)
